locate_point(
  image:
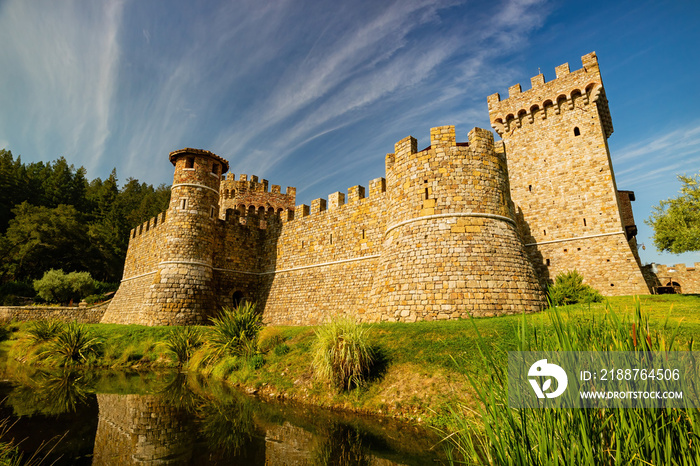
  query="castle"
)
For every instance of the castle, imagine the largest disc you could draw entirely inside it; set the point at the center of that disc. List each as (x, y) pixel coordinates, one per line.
(456, 229)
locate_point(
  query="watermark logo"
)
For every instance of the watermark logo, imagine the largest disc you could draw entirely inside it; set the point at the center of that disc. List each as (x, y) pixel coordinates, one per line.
(542, 369)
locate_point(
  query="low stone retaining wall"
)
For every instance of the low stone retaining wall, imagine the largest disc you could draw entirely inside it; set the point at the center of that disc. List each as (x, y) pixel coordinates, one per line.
(83, 315)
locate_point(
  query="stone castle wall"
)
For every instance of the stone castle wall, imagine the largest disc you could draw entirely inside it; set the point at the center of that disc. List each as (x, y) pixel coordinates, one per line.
(457, 229)
(323, 262)
(688, 278)
(82, 315)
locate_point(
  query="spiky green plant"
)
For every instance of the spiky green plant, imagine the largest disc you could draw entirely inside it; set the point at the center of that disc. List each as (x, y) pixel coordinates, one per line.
(342, 355)
(73, 344)
(235, 331)
(183, 341)
(44, 330)
(496, 434)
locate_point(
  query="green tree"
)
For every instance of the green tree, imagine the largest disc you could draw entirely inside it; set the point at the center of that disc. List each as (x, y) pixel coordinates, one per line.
(676, 221)
(40, 238)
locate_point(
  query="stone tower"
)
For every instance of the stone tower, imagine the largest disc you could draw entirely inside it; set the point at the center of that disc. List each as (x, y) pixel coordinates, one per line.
(562, 180)
(451, 246)
(182, 291)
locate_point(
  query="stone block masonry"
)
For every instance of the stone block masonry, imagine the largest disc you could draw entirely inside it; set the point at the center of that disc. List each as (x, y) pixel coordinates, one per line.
(458, 229)
(686, 279)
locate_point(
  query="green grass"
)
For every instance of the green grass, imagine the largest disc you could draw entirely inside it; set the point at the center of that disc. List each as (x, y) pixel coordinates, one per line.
(417, 376)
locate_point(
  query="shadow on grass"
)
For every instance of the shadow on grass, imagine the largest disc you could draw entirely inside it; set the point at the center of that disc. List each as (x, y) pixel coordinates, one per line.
(380, 365)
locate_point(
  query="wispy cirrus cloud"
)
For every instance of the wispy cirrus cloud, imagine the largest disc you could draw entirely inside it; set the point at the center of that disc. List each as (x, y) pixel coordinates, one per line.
(60, 63)
(121, 83)
(657, 159)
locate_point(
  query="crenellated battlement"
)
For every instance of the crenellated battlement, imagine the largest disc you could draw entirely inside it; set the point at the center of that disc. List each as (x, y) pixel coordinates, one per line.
(148, 226)
(545, 99)
(251, 183)
(337, 200)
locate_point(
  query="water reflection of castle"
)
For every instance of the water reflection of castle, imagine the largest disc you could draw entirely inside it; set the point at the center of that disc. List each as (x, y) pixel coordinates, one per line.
(150, 430)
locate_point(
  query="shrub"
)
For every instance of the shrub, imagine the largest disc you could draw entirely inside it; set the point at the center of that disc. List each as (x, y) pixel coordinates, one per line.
(73, 344)
(342, 355)
(58, 287)
(44, 330)
(183, 341)
(235, 331)
(568, 288)
(95, 298)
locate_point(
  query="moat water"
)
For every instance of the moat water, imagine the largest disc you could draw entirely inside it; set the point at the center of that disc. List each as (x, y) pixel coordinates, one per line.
(123, 418)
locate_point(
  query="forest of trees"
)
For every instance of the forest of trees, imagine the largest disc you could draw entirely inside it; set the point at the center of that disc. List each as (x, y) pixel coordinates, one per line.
(52, 217)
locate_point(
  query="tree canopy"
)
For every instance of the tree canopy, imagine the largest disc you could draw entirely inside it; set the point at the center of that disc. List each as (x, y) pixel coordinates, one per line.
(676, 221)
(52, 217)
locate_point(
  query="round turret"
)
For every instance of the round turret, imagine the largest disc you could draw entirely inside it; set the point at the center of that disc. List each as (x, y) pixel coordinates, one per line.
(451, 248)
(182, 292)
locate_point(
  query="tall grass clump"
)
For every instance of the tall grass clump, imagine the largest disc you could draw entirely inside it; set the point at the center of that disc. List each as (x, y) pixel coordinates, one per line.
(342, 355)
(73, 344)
(41, 331)
(235, 331)
(496, 434)
(568, 288)
(183, 341)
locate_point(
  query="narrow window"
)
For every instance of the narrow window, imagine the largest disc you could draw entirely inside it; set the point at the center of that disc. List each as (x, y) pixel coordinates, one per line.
(363, 234)
(584, 222)
(302, 244)
(577, 132)
(212, 211)
(331, 239)
(426, 193)
(548, 262)
(189, 162)
(545, 232)
(530, 188)
(183, 204)
(215, 168)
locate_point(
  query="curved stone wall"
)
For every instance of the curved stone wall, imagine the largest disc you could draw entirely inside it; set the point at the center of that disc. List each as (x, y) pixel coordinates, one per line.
(452, 248)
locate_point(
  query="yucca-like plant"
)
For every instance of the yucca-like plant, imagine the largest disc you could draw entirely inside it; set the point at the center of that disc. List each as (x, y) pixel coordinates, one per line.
(494, 433)
(235, 331)
(44, 330)
(73, 344)
(342, 355)
(183, 341)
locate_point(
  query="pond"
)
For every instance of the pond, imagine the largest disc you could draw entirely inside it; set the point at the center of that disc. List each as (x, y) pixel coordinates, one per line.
(122, 418)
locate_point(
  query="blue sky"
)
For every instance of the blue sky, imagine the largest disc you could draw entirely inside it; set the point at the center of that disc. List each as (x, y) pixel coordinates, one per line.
(313, 94)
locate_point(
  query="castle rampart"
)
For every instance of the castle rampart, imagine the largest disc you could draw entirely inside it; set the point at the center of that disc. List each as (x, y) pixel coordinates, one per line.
(456, 229)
